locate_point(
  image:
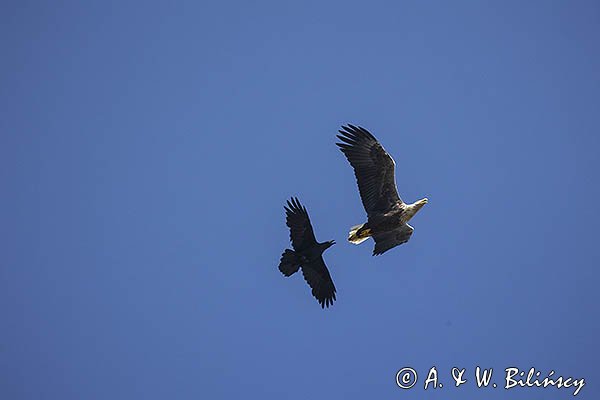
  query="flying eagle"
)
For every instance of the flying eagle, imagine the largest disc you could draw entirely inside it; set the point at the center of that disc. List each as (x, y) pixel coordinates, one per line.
(307, 254)
(387, 214)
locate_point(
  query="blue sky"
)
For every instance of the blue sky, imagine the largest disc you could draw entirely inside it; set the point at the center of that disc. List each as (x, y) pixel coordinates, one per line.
(147, 150)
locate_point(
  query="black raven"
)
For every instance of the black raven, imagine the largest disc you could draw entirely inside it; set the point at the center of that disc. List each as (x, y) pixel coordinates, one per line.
(387, 214)
(307, 254)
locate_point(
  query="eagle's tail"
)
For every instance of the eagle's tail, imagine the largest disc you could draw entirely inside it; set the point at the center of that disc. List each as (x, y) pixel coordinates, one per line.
(359, 233)
(289, 263)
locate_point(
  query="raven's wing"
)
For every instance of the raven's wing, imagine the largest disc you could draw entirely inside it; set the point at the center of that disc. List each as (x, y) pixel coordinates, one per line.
(387, 240)
(318, 278)
(301, 231)
(373, 168)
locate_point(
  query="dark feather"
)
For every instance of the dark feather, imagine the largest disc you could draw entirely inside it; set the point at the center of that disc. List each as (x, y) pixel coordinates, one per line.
(387, 240)
(301, 231)
(318, 278)
(373, 168)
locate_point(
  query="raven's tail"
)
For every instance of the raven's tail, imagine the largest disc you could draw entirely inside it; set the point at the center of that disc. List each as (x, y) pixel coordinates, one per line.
(359, 233)
(289, 263)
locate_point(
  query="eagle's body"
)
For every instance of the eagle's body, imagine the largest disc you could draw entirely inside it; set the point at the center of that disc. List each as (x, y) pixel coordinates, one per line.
(380, 224)
(307, 254)
(374, 168)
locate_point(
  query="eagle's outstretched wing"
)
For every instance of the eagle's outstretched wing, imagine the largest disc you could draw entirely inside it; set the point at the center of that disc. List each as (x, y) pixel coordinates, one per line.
(373, 168)
(387, 240)
(301, 231)
(318, 278)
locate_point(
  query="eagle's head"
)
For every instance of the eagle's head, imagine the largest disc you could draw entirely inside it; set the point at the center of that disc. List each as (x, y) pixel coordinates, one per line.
(412, 209)
(419, 204)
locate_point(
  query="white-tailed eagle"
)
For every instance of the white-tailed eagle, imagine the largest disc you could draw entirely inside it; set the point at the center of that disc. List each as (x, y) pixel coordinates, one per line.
(387, 214)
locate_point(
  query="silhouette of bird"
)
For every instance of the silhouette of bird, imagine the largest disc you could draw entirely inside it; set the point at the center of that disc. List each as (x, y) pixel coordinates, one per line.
(307, 254)
(387, 214)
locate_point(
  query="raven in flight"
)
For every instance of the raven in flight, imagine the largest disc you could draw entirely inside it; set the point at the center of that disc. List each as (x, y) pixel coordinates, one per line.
(387, 214)
(307, 254)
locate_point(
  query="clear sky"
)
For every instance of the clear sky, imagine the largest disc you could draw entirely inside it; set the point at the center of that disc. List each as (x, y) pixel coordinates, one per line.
(147, 150)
